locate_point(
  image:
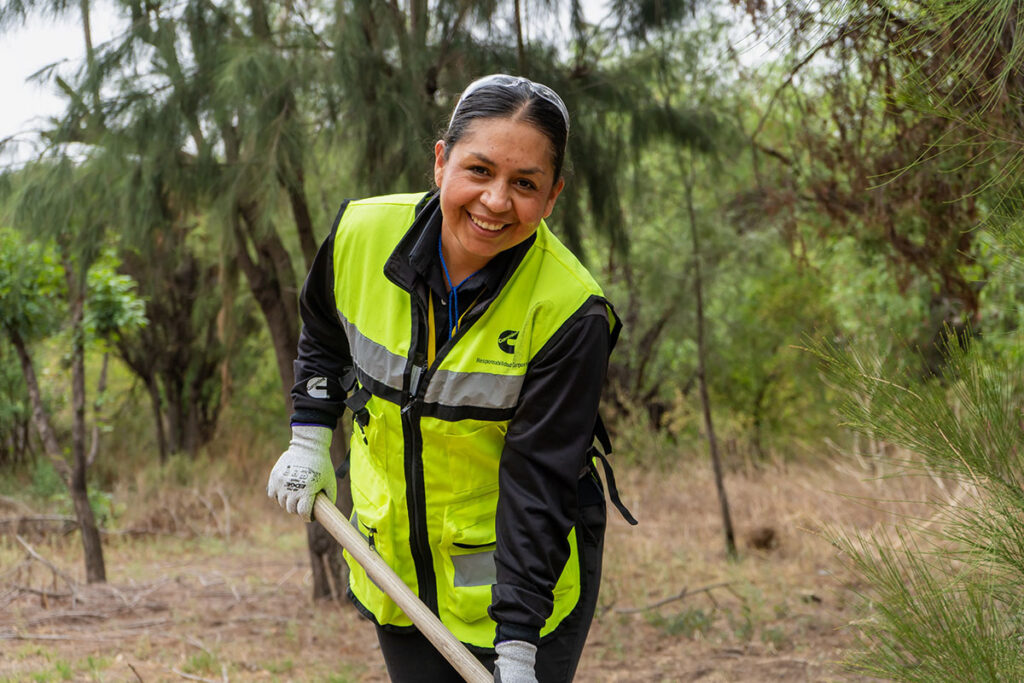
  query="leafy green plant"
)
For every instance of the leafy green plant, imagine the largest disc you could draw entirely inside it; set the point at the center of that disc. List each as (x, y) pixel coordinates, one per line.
(45, 483)
(202, 662)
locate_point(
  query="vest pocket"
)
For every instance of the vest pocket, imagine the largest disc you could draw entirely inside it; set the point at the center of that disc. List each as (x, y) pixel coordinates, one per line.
(469, 567)
(474, 450)
(374, 435)
(374, 523)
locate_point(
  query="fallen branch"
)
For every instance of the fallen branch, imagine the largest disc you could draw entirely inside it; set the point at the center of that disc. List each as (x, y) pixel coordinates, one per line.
(51, 636)
(39, 558)
(685, 593)
(197, 678)
(17, 522)
(125, 632)
(42, 593)
(69, 615)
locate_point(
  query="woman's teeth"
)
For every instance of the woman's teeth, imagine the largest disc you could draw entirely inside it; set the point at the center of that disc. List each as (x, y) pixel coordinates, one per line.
(491, 227)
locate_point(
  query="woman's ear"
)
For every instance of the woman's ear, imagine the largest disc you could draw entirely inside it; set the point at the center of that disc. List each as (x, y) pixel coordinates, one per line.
(439, 161)
(555, 191)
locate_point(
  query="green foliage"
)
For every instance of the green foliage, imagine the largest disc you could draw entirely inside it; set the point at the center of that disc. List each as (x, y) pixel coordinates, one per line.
(112, 307)
(762, 312)
(31, 285)
(204, 662)
(947, 609)
(45, 484)
(15, 411)
(932, 620)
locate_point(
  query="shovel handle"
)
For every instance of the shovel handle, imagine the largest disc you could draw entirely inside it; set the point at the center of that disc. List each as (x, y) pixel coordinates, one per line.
(468, 666)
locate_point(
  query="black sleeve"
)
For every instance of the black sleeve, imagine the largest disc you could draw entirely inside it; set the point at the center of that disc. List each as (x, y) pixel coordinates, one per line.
(545, 450)
(323, 353)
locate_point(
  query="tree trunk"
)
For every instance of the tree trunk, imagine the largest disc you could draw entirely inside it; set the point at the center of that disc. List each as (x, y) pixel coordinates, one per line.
(97, 411)
(42, 421)
(520, 46)
(295, 188)
(75, 479)
(698, 290)
(329, 569)
(271, 280)
(158, 417)
(95, 570)
(175, 418)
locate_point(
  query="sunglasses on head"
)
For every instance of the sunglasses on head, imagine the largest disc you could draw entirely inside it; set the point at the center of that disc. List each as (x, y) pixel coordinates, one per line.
(505, 81)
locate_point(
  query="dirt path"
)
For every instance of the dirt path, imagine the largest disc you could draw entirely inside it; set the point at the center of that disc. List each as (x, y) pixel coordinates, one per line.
(238, 608)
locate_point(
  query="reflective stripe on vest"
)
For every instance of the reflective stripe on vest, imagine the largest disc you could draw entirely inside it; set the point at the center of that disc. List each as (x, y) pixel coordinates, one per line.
(424, 468)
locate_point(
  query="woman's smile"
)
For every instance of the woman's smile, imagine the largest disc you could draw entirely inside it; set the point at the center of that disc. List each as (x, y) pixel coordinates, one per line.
(489, 226)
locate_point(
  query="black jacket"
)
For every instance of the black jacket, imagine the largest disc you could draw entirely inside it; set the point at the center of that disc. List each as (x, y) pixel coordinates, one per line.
(547, 439)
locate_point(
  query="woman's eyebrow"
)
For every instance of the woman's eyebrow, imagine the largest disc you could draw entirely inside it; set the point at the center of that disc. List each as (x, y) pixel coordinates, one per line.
(533, 170)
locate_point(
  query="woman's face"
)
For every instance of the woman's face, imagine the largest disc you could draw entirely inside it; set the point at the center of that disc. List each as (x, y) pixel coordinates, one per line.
(496, 185)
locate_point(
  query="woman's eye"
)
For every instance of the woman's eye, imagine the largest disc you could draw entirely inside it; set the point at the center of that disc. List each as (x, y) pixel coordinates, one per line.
(480, 170)
(526, 184)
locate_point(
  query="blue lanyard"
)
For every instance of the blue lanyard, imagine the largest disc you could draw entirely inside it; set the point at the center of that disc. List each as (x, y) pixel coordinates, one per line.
(453, 295)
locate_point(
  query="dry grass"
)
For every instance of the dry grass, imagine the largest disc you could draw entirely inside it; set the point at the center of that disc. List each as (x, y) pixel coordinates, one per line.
(193, 597)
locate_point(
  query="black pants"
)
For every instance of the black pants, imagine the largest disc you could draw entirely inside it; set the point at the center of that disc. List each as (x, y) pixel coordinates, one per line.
(411, 658)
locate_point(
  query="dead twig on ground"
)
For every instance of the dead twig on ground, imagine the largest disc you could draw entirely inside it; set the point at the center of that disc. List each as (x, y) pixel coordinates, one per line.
(70, 616)
(685, 593)
(11, 635)
(192, 677)
(126, 631)
(39, 558)
(41, 592)
(17, 522)
(195, 678)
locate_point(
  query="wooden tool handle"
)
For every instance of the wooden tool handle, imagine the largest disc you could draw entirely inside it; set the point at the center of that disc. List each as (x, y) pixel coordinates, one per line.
(426, 621)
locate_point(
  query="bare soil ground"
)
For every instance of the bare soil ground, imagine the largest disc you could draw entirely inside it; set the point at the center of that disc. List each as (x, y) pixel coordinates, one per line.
(198, 598)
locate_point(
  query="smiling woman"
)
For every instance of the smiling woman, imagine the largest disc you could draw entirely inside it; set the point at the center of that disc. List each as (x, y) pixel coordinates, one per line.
(471, 347)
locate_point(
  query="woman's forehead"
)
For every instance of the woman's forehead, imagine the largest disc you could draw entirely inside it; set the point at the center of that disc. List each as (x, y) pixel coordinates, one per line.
(500, 139)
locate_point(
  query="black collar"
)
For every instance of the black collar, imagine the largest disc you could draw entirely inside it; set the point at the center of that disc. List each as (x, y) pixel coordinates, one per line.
(415, 258)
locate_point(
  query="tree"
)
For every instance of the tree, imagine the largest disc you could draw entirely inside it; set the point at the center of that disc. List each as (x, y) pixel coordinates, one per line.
(860, 155)
(33, 281)
(220, 122)
(945, 593)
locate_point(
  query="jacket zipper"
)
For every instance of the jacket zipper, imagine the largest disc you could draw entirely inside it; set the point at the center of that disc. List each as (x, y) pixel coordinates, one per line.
(415, 490)
(415, 493)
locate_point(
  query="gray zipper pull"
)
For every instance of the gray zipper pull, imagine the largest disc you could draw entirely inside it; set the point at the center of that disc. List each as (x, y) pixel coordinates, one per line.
(414, 379)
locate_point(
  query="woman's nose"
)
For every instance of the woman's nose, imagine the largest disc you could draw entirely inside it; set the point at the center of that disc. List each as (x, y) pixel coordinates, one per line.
(496, 198)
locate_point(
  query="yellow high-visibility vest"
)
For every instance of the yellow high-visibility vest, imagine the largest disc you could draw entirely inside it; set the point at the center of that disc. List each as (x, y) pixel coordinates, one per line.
(424, 466)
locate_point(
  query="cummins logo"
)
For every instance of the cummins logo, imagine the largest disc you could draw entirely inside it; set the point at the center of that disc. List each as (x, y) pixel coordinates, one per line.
(316, 387)
(507, 341)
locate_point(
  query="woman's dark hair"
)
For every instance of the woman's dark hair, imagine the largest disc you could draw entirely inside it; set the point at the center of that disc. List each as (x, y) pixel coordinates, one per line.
(507, 97)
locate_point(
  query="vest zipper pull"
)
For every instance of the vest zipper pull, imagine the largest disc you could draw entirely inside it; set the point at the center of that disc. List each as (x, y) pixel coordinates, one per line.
(414, 379)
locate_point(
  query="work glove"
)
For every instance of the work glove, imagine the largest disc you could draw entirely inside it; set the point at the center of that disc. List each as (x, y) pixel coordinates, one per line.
(304, 470)
(515, 663)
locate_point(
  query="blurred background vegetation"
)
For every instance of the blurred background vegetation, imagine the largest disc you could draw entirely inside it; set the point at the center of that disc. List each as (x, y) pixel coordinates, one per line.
(852, 170)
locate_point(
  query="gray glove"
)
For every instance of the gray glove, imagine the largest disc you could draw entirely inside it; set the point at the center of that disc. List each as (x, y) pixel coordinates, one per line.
(304, 470)
(515, 663)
